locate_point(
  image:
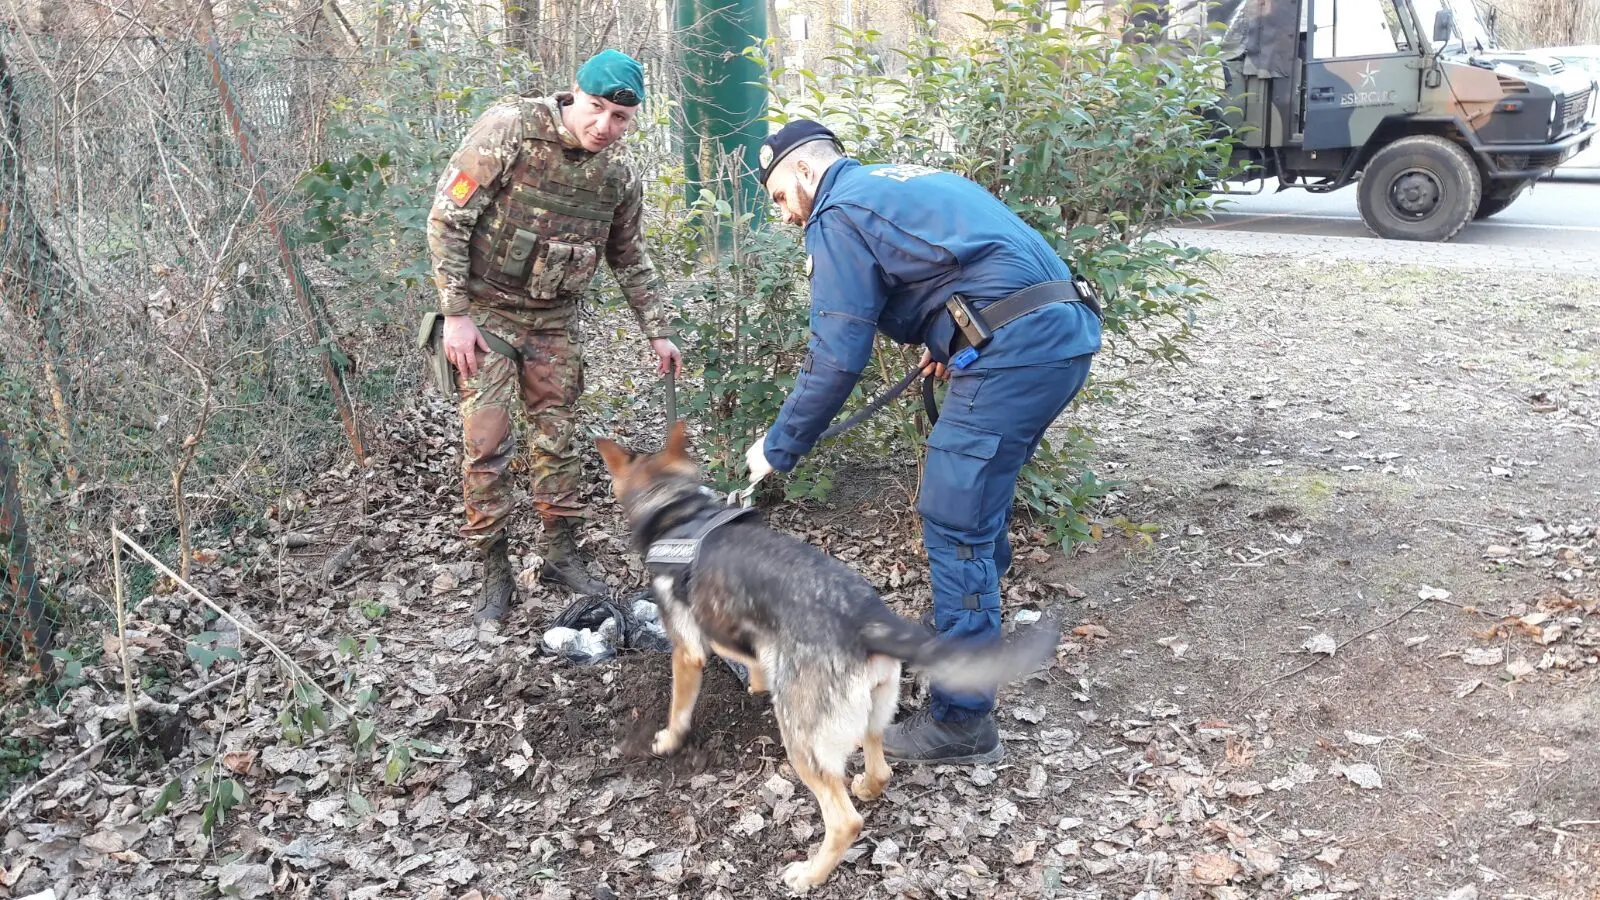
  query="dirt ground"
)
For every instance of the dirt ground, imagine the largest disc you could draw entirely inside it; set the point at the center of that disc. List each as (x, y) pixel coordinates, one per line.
(1354, 657)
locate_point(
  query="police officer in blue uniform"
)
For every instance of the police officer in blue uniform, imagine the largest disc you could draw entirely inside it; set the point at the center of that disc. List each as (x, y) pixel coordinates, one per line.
(928, 257)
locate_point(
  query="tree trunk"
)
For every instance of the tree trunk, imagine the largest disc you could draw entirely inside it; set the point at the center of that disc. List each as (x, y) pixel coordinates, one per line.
(25, 627)
(522, 26)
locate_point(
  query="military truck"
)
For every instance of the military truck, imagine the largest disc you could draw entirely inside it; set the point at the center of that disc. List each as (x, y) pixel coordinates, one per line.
(1399, 98)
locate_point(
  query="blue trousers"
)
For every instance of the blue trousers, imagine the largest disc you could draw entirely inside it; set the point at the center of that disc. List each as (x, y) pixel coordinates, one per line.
(990, 425)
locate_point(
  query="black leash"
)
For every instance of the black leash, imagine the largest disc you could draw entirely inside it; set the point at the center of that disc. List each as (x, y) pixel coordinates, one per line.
(929, 404)
(866, 412)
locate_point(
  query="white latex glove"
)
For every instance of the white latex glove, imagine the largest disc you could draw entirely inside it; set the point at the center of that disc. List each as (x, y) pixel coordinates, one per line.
(756, 459)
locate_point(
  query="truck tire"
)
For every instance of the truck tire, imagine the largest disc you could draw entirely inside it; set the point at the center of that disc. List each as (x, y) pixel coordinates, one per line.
(1419, 188)
(1497, 195)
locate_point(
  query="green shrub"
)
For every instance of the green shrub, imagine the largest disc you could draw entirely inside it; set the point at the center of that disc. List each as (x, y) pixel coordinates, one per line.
(1094, 140)
(366, 204)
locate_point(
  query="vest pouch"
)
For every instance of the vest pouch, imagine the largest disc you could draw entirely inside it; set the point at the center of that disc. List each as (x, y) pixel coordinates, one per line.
(518, 254)
(563, 269)
(430, 341)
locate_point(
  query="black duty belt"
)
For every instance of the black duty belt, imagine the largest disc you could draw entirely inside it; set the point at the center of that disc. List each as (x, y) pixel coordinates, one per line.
(975, 326)
(983, 324)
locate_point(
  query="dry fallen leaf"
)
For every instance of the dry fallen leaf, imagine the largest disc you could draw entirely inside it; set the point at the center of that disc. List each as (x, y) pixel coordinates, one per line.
(887, 853)
(1553, 755)
(1363, 775)
(239, 761)
(1484, 656)
(1244, 788)
(1175, 644)
(1321, 643)
(748, 824)
(103, 842)
(1033, 714)
(1214, 868)
(1091, 631)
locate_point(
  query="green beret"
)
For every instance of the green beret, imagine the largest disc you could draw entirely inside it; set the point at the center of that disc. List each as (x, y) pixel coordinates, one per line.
(614, 75)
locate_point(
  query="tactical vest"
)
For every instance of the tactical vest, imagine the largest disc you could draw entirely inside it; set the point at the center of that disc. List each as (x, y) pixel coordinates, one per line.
(542, 237)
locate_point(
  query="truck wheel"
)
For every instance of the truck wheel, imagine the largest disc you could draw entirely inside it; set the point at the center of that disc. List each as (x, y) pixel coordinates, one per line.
(1419, 188)
(1497, 195)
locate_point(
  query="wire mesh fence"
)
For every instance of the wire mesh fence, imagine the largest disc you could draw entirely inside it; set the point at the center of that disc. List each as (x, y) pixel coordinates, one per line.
(174, 353)
(154, 356)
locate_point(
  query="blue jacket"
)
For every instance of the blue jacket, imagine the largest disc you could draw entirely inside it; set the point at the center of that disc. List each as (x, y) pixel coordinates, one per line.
(888, 245)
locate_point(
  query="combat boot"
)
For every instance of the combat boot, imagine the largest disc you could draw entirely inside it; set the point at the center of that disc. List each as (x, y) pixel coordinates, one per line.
(498, 583)
(922, 739)
(564, 563)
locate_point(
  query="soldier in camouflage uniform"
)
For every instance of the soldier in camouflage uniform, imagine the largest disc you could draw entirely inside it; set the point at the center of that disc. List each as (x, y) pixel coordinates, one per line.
(537, 194)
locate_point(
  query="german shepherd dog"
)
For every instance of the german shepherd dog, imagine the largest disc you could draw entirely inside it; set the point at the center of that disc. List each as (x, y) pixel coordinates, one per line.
(812, 632)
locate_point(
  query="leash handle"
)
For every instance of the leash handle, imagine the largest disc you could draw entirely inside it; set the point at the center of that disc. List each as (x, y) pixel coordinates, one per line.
(672, 397)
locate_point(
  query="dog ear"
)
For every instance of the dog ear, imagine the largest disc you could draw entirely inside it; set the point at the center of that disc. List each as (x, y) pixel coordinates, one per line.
(677, 441)
(615, 457)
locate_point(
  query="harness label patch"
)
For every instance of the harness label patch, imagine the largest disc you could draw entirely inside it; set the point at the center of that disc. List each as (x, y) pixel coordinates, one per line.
(462, 188)
(675, 551)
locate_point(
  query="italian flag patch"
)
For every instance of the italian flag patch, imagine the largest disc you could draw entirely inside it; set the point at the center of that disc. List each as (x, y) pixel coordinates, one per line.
(462, 188)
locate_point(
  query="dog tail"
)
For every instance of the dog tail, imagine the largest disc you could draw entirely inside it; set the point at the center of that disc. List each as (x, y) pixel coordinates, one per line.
(964, 664)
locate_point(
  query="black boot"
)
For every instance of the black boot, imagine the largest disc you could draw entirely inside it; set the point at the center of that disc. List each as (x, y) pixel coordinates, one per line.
(923, 739)
(564, 564)
(498, 583)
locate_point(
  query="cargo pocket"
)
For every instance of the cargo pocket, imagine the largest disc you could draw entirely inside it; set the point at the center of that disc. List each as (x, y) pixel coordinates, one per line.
(953, 479)
(563, 268)
(963, 391)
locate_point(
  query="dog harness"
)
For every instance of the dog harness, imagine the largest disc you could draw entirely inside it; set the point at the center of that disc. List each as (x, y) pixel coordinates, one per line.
(674, 553)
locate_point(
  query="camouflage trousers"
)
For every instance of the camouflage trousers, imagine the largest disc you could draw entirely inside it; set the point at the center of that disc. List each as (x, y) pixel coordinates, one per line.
(547, 391)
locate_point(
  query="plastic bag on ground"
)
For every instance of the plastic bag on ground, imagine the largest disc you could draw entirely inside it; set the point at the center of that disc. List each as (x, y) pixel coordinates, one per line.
(591, 629)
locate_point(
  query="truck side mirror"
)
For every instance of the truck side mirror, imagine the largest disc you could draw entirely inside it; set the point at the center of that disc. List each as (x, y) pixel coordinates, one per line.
(1444, 24)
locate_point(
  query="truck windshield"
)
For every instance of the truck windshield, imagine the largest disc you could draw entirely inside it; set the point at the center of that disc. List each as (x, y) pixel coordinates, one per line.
(1469, 32)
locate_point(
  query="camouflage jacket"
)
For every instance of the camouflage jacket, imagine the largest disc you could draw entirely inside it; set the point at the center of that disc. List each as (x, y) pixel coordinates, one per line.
(523, 214)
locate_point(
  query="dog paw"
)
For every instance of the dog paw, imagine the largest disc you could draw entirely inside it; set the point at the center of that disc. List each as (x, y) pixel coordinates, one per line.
(799, 878)
(864, 790)
(667, 742)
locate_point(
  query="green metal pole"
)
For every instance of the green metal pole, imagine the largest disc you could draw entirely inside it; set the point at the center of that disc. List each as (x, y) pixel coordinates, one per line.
(724, 104)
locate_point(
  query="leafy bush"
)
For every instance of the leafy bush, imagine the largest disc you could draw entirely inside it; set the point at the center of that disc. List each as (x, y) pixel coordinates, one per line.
(1094, 139)
(366, 204)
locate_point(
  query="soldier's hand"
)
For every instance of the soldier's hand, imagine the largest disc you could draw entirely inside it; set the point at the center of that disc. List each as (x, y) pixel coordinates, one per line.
(929, 367)
(667, 356)
(462, 341)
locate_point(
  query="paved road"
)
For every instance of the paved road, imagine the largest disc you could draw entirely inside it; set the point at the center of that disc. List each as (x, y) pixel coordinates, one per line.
(1555, 226)
(1557, 213)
